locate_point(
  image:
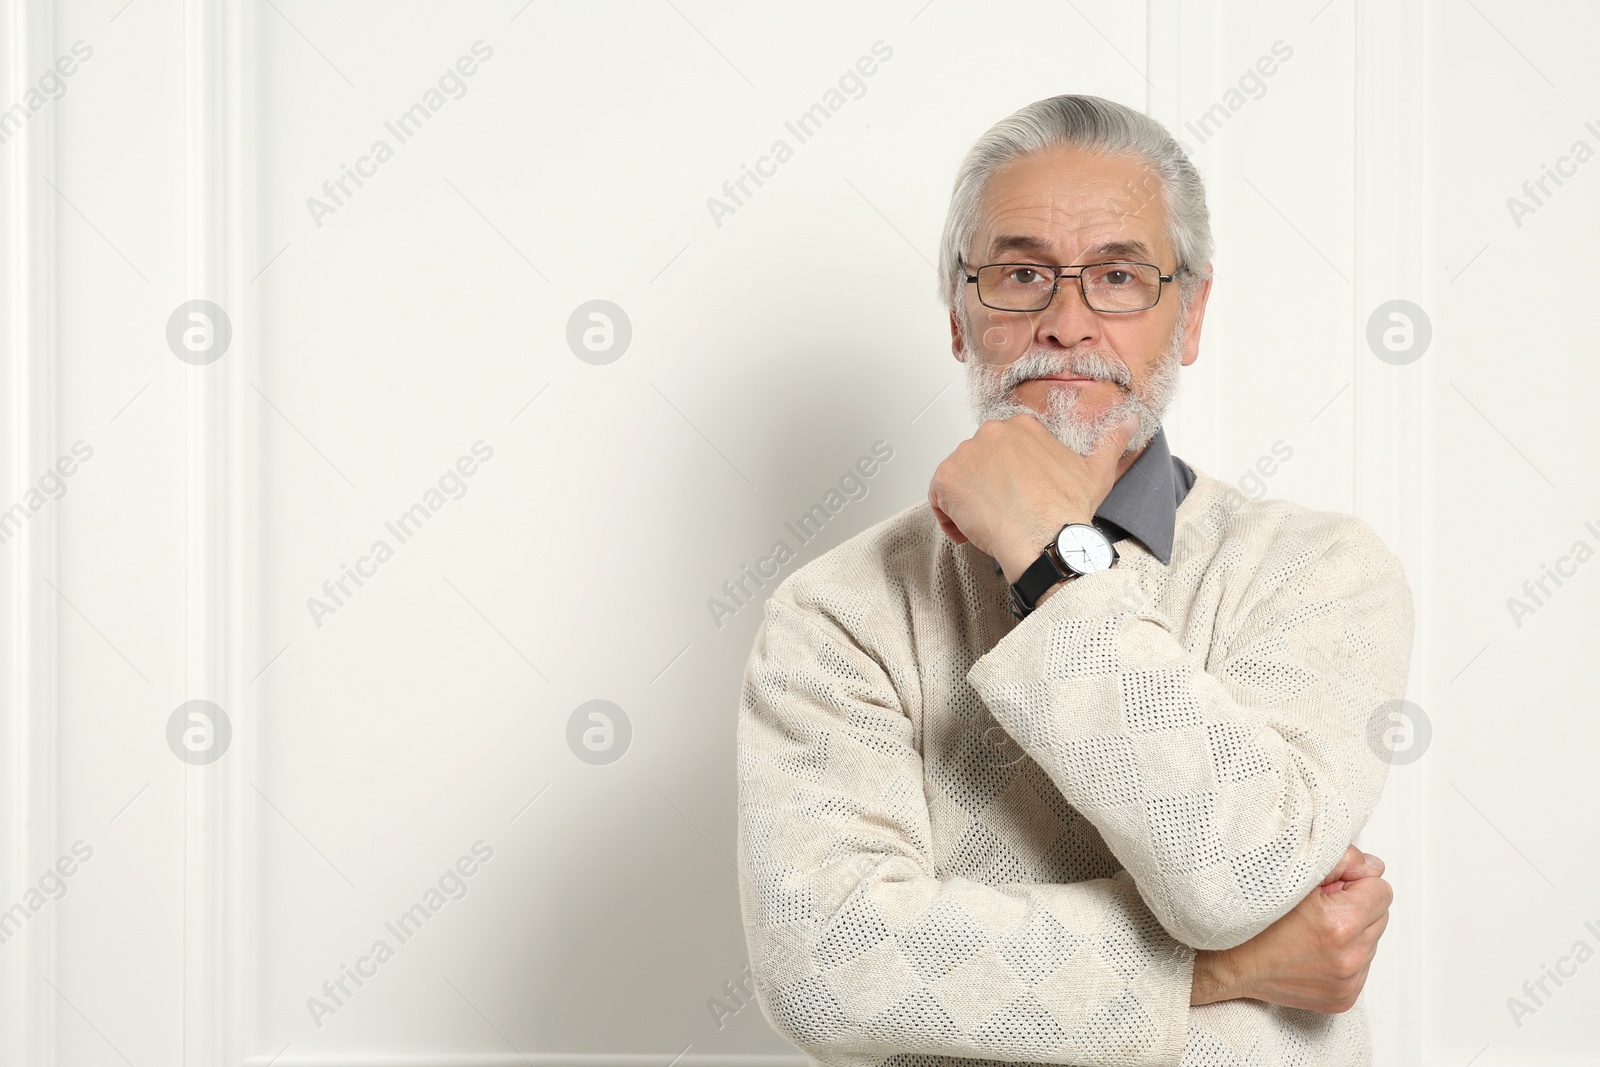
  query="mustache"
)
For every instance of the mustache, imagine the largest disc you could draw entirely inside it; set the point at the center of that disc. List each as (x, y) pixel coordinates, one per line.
(1036, 363)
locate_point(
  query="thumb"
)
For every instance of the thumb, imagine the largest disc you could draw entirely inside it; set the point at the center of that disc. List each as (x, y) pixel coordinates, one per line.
(1114, 442)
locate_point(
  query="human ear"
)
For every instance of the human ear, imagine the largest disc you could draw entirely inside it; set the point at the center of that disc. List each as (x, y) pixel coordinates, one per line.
(1196, 315)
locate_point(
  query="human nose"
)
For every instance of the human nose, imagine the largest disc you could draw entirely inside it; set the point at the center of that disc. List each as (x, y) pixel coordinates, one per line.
(1067, 320)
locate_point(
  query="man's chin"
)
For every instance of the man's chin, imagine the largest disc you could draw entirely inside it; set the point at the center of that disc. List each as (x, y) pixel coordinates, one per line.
(1083, 432)
(1074, 404)
(1074, 431)
(1042, 389)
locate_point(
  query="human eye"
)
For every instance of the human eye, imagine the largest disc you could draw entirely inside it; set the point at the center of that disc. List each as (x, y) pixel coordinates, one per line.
(1022, 274)
(1115, 275)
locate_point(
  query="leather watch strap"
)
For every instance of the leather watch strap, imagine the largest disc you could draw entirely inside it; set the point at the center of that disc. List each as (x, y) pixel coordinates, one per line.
(1032, 583)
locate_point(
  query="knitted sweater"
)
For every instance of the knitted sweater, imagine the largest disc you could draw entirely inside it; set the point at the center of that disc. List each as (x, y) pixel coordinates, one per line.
(961, 835)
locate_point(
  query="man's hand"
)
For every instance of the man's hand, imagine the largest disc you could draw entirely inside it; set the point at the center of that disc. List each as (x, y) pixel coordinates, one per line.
(1316, 957)
(1011, 486)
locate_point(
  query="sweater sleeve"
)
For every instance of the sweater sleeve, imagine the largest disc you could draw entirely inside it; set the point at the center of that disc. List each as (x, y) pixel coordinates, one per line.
(858, 949)
(1227, 780)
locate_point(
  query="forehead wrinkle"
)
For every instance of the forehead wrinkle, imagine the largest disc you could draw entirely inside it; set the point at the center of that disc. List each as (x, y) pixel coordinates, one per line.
(1071, 221)
(1110, 247)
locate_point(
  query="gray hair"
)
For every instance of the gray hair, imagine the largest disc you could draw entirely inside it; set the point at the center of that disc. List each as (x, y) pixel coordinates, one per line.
(1094, 124)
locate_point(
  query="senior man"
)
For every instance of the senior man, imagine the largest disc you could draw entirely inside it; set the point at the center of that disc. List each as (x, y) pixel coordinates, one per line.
(1065, 764)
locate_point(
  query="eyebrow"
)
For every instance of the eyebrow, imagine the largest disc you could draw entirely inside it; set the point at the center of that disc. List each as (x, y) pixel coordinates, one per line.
(1016, 242)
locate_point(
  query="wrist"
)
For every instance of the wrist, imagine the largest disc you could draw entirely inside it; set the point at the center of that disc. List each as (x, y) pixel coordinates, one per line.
(1215, 977)
(1018, 556)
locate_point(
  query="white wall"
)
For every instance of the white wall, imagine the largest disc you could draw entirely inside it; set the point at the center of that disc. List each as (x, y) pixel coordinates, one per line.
(372, 346)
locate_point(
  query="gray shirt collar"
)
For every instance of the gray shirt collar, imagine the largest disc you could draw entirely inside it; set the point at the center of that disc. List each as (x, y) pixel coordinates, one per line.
(1143, 503)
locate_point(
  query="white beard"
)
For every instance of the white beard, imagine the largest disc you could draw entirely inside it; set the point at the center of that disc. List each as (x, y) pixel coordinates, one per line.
(989, 391)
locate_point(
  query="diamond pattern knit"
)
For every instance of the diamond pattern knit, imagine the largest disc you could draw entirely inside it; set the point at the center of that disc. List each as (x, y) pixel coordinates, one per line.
(961, 835)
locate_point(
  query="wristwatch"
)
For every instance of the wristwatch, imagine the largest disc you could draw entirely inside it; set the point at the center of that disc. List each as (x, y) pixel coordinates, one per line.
(1077, 549)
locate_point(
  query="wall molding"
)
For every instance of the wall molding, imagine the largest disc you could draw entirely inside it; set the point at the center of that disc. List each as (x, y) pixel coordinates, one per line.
(1179, 66)
(1390, 209)
(218, 916)
(31, 636)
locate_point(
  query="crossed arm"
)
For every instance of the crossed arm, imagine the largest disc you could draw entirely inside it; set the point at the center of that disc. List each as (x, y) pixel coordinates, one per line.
(1227, 794)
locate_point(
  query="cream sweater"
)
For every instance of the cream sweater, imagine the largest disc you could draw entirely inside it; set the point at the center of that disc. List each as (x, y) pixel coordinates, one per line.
(961, 835)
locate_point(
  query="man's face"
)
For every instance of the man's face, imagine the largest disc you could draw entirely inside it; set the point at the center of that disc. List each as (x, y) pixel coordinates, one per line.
(1066, 206)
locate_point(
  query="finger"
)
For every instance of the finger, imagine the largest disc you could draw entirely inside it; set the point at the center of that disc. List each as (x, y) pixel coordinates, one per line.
(1123, 434)
(1371, 897)
(1356, 871)
(1116, 439)
(1368, 866)
(949, 527)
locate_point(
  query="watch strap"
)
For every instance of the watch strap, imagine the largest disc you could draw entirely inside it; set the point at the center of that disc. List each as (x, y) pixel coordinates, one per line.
(1045, 572)
(1032, 583)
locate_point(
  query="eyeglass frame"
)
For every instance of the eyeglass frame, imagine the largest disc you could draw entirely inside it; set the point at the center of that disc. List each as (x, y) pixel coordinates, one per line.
(1058, 271)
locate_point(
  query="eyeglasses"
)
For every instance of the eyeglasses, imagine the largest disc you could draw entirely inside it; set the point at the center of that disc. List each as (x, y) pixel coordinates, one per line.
(1117, 286)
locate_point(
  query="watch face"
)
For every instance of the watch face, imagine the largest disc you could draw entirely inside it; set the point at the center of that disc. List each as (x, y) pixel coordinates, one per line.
(1084, 548)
